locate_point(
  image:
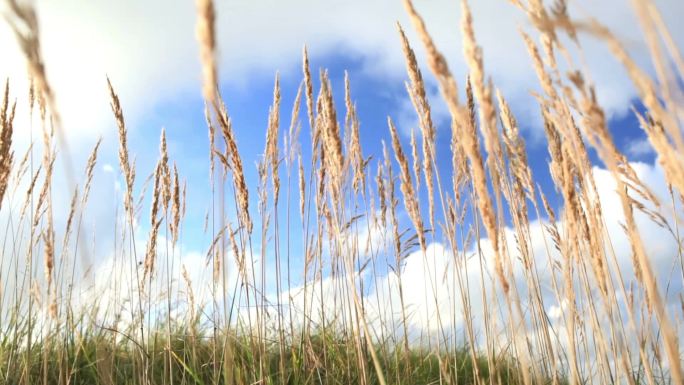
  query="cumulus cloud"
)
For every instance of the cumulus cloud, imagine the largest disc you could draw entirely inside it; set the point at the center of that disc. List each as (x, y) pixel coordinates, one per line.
(109, 293)
(639, 147)
(149, 51)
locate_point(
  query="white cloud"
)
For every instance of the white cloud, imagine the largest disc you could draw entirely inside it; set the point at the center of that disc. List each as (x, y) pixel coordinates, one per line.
(148, 48)
(555, 311)
(112, 289)
(639, 147)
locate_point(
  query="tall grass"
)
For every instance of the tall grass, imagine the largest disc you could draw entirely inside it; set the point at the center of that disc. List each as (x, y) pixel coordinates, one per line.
(148, 324)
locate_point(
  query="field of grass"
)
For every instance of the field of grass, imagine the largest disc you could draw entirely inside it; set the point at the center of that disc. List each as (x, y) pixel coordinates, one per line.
(615, 323)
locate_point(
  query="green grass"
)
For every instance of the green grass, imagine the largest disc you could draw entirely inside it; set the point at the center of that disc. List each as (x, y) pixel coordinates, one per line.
(89, 357)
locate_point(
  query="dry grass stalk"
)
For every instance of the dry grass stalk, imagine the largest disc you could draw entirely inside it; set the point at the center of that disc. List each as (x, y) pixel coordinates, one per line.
(22, 167)
(302, 188)
(233, 162)
(332, 141)
(539, 16)
(355, 153)
(29, 192)
(406, 185)
(212, 143)
(672, 143)
(416, 91)
(184, 198)
(470, 145)
(436, 61)
(553, 140)
(23, 21)
(216, 254)
(271, 154)
(321, 172)
(350, 112)
(44, 192)
(483, 95)
(166, 172)
(670, 338)
(392, 202)
(43, 202)
(128, 171)
(237, 254)
(308, 85)
(142, 194)
(295, 127)
(90, 168)
(151, 251)
(176, 209)
(6, 154)
(69, 222)
(595, 128)
(660, 26)
(459, 161)
(416, 159)
(380, 184)
(191, 293)
(49, 260)
(206, 37)
(28, 36)
(515, 147)
(544, 78)
(48, 234)
(262, 187)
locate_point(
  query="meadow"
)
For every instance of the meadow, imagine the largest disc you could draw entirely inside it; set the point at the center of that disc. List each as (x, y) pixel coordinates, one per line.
(523, 285)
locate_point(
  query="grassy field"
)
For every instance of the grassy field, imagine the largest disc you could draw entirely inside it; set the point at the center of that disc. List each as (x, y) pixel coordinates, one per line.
(613, 323)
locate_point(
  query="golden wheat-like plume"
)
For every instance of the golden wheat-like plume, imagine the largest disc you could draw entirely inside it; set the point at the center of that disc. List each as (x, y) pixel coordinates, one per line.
(271, 155)
(7, 129)
(128, 171)
(406, 185)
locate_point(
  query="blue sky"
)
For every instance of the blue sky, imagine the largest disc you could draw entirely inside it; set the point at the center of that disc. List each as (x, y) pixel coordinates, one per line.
(248, 105)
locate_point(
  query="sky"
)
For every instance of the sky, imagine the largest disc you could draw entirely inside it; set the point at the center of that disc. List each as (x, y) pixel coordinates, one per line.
(148, 50)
